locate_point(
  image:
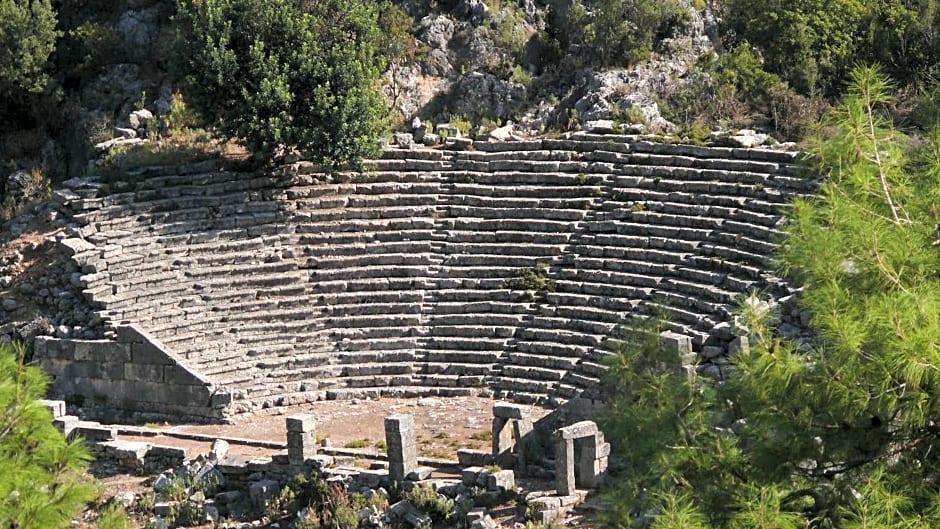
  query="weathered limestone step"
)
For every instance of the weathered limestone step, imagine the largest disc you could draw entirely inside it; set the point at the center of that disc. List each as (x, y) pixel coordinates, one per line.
(436, 332)
(553, 206)
(539, 387)
(462, 319)
(505, 237)
(461, 356)
(532, 214)
(363, 340)
(367, 285)
(368, 308)
(386, 224)
(538, 359)
(478, 343)
(457, 369)
(557, 192)
(325, 250)
(561, 336)
(341, 299)
(335, 271)
(532, 372)
(470, 383)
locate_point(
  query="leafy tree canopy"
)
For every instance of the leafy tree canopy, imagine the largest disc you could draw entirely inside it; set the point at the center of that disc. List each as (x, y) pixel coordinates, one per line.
(40, 473)
(275, 73)
(840, 432)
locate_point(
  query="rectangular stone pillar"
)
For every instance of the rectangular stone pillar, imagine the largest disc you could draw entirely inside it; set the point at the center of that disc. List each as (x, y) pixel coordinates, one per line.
(301, 438)
(402, 451)
(564, 466)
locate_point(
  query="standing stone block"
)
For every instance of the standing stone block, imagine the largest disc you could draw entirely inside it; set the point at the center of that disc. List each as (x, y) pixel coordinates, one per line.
(564, 466)
(402, 451)
(301, 438)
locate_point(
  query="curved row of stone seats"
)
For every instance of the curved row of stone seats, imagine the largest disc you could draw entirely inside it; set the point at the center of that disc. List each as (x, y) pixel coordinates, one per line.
(651, 270)
(406, 279)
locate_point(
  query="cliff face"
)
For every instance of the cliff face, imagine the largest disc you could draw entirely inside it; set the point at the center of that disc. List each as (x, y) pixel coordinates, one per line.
(503, 269)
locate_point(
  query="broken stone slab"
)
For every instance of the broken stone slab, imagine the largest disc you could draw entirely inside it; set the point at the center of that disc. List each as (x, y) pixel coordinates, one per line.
(577, 430)
(420, 474)
(301, 438)
(95, 432)
(675, 342)
(404, 140)
(263, 491)
(107, 145)
(404, 510)
(302, 423)
(469, 475)
(510, 411)
(57, 407)
(130, 454)
(599, 126)
(501, 480)
(471, 458)
(126, 133)
(373, 478)
(140, 118)
(210, 478)
(219, 450)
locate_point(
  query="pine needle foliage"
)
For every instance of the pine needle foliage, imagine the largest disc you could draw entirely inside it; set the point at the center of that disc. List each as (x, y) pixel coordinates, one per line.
(838, 433)
(40, 472)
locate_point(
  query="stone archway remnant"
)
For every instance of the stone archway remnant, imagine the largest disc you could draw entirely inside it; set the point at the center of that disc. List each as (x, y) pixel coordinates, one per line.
(580, 457)
(520, 420)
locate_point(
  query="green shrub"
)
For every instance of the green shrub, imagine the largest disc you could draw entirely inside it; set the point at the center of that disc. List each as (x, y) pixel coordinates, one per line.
(532, 279)
(179, 117)
(27, 38)
(273, 76)
(426, 499)
(811, 44)
(359, 443)
(623, 32)
(509, 30)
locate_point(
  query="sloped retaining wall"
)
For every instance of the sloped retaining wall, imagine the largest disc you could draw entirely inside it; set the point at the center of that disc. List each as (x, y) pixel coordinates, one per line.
(130, 378)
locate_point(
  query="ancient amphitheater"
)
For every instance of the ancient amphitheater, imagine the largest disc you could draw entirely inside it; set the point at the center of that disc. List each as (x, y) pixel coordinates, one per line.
(230, 291)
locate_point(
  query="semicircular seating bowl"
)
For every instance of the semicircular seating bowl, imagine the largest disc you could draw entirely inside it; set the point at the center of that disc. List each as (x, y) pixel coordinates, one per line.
(404, 280)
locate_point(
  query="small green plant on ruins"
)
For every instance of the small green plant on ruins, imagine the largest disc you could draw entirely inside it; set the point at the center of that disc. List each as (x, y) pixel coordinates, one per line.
(282, 74)
(41, 485)
(426, 499)
(320, 505)
(532, 279)
(840, 432)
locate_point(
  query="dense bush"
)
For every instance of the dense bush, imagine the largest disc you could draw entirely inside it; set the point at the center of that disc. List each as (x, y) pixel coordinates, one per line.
(622, 32)
(810, 43)
(278, 73)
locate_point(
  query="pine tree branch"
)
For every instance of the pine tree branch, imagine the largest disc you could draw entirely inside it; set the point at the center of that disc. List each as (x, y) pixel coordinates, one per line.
(882, 176)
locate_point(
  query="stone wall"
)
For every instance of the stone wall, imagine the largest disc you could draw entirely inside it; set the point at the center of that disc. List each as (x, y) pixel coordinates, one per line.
(132, 377)
(500, 269)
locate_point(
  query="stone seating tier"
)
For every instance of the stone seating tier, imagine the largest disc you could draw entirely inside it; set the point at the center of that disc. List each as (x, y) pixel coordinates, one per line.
(301, 285)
